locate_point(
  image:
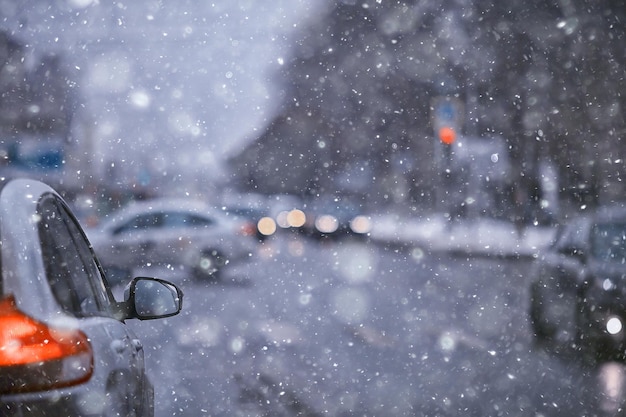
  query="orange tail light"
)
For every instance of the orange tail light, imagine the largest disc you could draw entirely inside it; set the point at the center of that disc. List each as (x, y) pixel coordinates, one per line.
(248, 229)
(35, 356)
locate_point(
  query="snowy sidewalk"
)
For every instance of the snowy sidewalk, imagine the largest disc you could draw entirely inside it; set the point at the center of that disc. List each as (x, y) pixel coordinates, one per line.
(479, 236)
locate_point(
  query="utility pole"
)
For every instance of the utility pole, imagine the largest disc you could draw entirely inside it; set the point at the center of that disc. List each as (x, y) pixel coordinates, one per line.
(447, 116)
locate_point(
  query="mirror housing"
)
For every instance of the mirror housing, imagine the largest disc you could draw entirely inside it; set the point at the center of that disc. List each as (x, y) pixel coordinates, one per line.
(151, 298)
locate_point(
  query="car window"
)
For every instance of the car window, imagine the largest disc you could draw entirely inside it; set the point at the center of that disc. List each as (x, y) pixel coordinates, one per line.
(242, 213)
(608, 242)
(70, 267)
(140, 222)
(179, 219)
(573, 236)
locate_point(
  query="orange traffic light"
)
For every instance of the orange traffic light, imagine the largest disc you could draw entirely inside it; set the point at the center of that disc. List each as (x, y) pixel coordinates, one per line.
(447, 135)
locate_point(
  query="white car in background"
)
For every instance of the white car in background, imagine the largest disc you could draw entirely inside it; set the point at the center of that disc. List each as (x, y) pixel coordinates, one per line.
(172, 232)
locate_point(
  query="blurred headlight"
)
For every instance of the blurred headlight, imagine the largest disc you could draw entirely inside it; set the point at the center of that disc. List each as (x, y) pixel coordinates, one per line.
(361, 224)
(326, 223)
(281, 219)
(614, 325)
(296, 218)
(266, 226)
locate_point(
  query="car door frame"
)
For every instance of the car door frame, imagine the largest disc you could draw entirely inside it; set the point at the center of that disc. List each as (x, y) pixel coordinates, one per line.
(116, 347)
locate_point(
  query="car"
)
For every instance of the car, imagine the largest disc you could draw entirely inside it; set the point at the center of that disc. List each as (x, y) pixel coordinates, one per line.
(178, 232)
(332, 216)
(255, 221)
(265, 215)
(252, 210)
(65, 349)
(286, 211)
(578, 292)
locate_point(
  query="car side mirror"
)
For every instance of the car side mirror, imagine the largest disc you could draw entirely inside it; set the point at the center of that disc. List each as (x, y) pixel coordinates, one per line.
(152, 298)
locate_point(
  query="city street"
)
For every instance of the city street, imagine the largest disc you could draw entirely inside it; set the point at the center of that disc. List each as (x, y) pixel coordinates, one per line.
(351, 328)
(350, 194)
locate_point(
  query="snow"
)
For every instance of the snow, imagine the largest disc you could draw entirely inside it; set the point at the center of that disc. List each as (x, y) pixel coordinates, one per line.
(165, 91)
(480, 236)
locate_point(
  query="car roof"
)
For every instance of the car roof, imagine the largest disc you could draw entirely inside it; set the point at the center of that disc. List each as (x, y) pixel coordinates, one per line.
(608, 212)
(158, 205)
(584, 221)
(616, 211)
(161, 204)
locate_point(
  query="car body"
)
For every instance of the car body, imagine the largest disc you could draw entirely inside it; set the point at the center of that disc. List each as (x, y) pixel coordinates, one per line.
(578, 293)
(332, 216)
(181, 232)
(65, 349)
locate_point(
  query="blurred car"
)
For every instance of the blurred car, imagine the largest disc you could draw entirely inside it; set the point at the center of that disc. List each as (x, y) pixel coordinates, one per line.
(579, 289)
(64, 347)
(335, 217)
(286, 211)
(271, 214)
(254, 221)
(180, 232)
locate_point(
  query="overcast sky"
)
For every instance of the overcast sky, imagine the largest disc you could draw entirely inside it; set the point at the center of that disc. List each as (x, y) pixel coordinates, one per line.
(166, 85)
